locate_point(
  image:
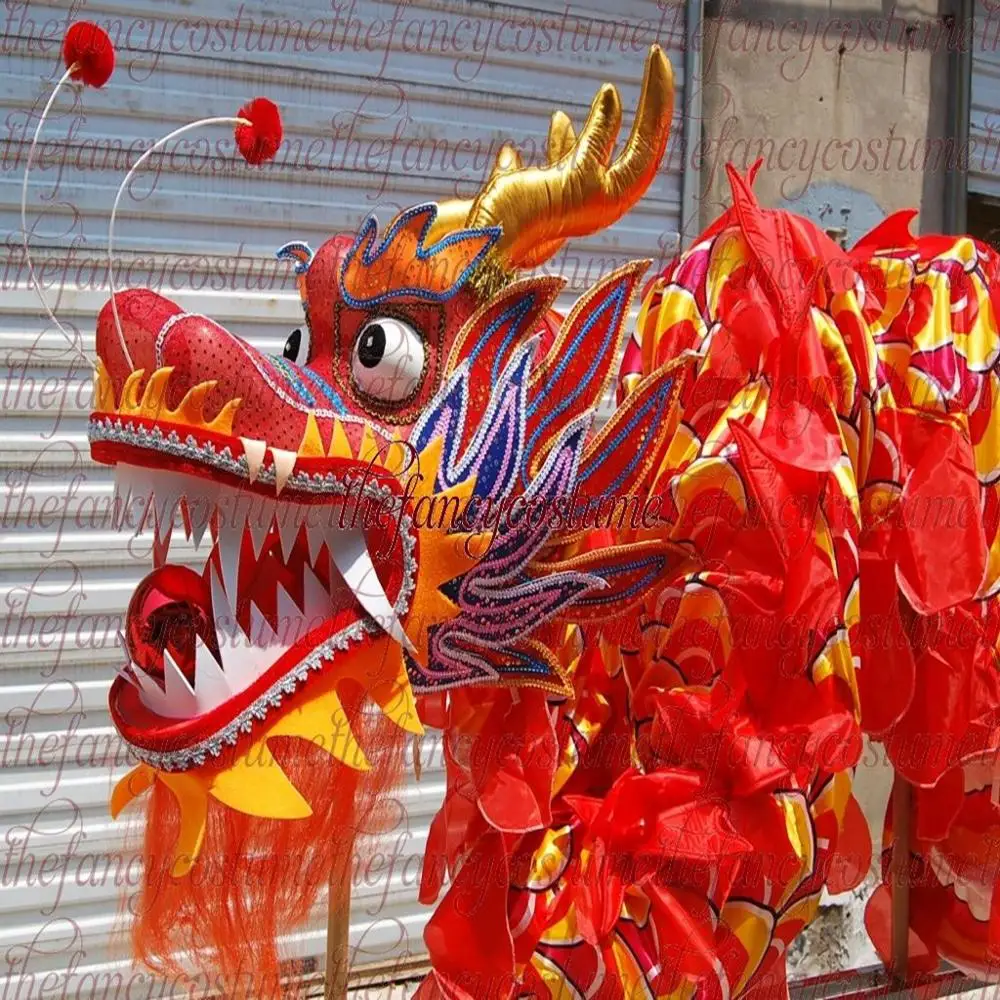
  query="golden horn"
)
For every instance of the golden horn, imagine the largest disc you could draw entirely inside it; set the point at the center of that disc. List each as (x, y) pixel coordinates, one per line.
(454, 213)
(584, 190)
(562, 139)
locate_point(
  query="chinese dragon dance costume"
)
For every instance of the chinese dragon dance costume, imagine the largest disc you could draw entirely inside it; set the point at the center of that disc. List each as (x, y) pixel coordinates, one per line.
(649, 723)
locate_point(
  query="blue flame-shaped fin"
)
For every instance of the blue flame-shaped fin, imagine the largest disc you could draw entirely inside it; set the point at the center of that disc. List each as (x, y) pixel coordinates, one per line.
(297, 251)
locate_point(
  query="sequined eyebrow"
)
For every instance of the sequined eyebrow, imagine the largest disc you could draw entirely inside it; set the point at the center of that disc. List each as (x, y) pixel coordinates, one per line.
(401, 265)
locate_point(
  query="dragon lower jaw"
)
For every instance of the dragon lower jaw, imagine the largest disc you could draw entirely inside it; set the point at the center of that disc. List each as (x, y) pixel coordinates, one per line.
(287, 589)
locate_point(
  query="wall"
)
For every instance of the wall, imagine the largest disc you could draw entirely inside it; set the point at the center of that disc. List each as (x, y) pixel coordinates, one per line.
(846, 103)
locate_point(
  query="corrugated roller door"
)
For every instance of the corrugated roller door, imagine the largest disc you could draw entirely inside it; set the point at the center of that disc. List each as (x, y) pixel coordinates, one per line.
(984, 113)
(374, 121)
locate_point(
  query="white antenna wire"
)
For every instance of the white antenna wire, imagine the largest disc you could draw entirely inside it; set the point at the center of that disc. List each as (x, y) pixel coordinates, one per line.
(35, 283)
(121, 190)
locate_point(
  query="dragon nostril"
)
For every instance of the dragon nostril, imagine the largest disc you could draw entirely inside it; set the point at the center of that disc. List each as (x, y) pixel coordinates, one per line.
(296, 347)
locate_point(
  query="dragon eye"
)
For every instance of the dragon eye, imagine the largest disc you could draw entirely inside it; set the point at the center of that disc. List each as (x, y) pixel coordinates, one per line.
(388, 360)
(296, 348)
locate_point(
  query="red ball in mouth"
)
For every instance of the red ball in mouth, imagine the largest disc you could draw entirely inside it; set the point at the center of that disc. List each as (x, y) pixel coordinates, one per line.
(169, 608)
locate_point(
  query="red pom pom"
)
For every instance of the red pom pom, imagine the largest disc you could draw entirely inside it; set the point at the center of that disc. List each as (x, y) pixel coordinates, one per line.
(259, 141)
(89, 48)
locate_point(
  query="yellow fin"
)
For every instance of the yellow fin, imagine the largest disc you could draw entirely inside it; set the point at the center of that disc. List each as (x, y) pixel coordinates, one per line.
(130, 787)
(104, 390)
(396, 699)
(192, 407)
(312, 441)
(130, 390)
(368, 451)
(256, 785)
(323, 722)
(193, 801)
(153, 397)
(222, 422)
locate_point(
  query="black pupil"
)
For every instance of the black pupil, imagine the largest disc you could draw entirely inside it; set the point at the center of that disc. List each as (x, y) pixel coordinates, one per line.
(371, 345)
(293, 344)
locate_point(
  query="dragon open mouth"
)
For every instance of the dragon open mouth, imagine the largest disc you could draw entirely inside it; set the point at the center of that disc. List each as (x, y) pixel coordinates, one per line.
(310, 555)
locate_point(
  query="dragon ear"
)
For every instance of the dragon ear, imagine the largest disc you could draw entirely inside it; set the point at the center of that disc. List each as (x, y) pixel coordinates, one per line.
(258, 136)
(89, 57)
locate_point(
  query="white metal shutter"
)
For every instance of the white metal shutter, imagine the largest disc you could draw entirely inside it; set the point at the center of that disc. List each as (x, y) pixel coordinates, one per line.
(370, 126)
(984, 111)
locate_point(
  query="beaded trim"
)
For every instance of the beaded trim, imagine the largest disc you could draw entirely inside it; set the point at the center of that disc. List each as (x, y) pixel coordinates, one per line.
(123, 431)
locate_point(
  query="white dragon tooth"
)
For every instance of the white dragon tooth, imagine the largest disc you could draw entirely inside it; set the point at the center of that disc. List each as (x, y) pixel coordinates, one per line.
(198, 530)
(233, 512)
(350, 556)
(201, 498)
(226, 627)
(128, 677)
(211, 687)
(316, 531)
(179, 693)
(289, 618)
(242, 662)
(284, 466)
(119, 499)
(253, 451)
(161, 545)
(150, 693)
(259, 521)
(163, 527)
(134, 486)
(261, 633)
(230, 541)
(289, 520)
(258, 532)
(185, 518)
(316, 602)
(167, 491)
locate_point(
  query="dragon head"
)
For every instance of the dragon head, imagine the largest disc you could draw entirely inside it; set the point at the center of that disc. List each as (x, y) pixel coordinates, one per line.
(385, 503)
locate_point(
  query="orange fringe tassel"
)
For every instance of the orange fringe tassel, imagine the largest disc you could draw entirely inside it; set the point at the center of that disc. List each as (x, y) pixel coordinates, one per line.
(257, 879)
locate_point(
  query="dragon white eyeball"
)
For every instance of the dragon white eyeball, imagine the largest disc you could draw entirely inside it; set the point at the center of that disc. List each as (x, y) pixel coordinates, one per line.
(387, 362)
